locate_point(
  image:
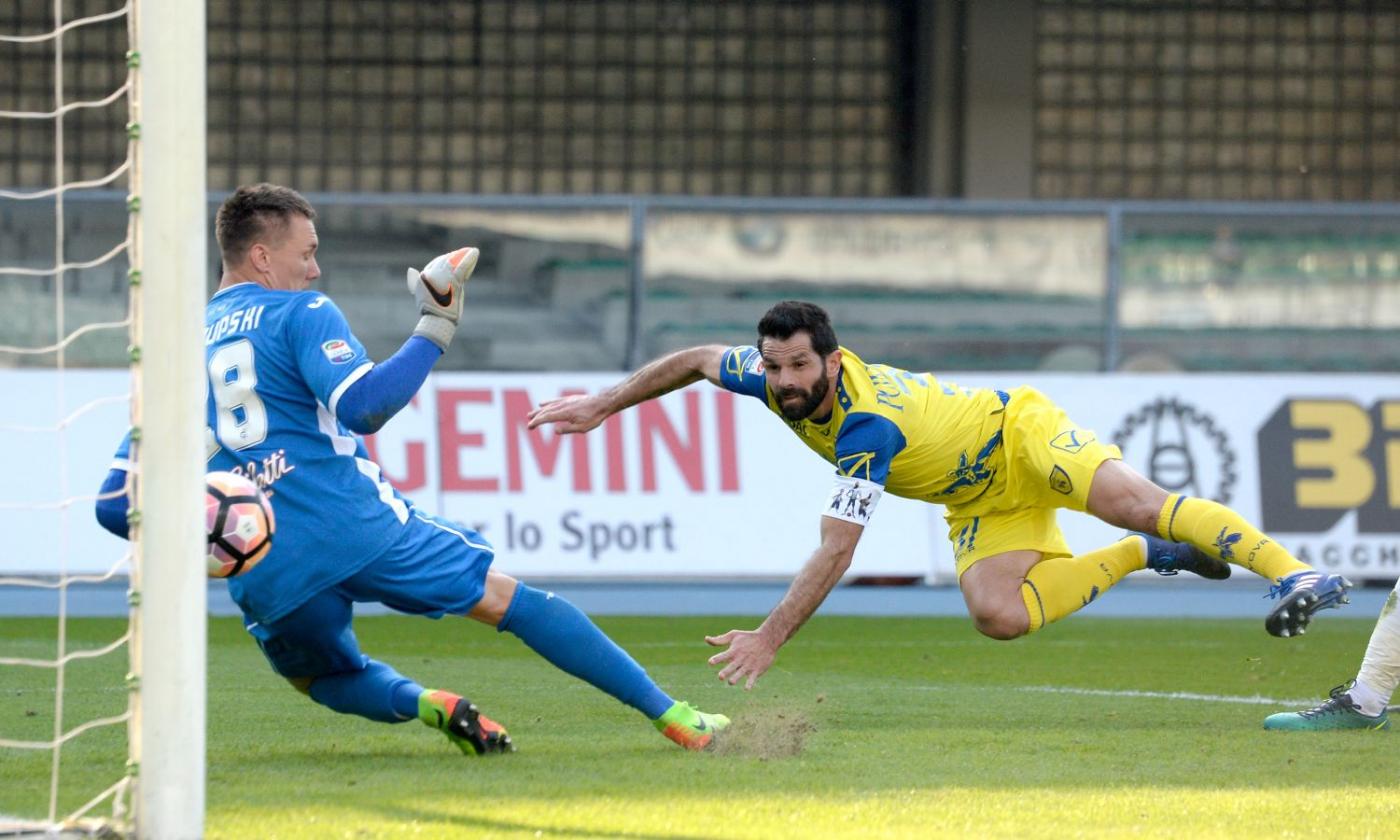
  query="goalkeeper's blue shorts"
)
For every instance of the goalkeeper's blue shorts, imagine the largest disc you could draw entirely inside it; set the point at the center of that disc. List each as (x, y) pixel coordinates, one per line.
(437, 568)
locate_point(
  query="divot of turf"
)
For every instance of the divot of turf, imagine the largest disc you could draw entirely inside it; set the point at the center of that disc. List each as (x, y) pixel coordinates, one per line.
(766, 734)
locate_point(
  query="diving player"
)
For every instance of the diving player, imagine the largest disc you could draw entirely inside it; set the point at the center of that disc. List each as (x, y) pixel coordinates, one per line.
(290, 387)
(1001, 462)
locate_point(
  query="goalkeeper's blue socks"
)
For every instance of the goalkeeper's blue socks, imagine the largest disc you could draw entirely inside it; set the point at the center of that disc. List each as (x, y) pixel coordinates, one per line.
(378, 692)
(562, 634)
(548, 624)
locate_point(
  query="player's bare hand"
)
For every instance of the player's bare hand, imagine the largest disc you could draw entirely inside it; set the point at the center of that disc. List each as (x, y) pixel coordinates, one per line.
(573, 414)
(749, 655)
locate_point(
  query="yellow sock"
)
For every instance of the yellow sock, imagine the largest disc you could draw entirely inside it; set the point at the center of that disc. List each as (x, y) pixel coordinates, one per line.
(1059, 586)
(1220, 532)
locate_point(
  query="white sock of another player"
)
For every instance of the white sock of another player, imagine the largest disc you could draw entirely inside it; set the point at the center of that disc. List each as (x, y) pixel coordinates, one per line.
(1380, 669)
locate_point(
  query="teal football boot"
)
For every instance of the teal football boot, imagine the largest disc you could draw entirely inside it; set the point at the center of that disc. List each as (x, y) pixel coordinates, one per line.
(1337, 712)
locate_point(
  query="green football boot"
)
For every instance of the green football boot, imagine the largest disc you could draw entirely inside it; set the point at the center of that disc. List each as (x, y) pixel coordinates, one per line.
(1337, 712)
(689, 727)
(464, 725)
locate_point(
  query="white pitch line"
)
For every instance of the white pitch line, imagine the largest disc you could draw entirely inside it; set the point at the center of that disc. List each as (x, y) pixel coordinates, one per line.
(1192, 696)
(1255, 700)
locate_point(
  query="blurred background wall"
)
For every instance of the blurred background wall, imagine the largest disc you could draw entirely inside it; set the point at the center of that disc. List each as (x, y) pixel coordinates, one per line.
(1006, 184)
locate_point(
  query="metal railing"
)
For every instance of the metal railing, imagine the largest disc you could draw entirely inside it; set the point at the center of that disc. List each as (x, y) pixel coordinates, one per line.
(593, 281)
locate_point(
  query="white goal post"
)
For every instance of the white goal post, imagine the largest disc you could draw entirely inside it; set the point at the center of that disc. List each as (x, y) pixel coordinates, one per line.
(168, 578)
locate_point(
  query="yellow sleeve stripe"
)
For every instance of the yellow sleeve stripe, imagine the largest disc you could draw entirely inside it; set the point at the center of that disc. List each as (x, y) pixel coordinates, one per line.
(732, 364)
(852, 465)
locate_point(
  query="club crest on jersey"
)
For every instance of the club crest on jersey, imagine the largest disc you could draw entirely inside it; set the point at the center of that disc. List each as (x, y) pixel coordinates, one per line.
(337, 351)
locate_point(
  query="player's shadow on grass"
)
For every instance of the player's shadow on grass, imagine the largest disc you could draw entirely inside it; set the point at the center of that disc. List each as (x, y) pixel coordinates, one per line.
(482, 824)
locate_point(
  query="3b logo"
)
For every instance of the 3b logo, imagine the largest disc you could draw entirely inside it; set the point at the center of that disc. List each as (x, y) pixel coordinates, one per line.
(1319, 459)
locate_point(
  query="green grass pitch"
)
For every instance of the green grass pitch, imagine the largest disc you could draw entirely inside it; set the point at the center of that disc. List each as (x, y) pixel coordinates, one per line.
(865, 728)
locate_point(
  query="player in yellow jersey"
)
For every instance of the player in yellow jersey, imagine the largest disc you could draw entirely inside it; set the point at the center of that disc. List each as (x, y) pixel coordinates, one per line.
(1002, 462)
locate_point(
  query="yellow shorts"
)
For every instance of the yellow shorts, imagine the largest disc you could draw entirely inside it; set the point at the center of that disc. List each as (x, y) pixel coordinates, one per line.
(1050, 463)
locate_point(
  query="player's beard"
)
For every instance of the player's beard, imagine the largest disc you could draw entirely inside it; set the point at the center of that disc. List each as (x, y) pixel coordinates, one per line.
(810, 399)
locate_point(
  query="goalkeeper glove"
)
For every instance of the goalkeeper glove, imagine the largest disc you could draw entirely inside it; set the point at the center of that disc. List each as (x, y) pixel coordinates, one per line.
(439, 289)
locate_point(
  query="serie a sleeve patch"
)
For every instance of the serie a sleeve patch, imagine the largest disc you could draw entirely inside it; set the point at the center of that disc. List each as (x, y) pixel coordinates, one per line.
(853, 499)
(338, 351)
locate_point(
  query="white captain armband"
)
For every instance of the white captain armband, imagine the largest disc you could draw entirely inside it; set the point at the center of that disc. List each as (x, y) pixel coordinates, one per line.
(853, 499)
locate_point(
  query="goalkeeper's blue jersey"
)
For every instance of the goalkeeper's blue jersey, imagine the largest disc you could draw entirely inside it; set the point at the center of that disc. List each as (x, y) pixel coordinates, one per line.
(278, 363)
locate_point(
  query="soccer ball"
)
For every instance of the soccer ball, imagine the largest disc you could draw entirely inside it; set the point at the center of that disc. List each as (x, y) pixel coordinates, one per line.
(238, 523)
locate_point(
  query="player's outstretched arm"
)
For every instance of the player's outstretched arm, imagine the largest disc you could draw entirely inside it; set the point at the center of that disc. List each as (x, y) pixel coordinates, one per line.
(751, 652)
(584, 412)
(438, 290)
(377, 396)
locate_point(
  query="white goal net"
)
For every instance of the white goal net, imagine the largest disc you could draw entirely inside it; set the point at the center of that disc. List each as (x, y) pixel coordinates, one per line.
(102, 264)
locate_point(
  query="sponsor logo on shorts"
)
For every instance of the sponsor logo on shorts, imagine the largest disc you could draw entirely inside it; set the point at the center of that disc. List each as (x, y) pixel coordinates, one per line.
(337, 351)
(966, 540)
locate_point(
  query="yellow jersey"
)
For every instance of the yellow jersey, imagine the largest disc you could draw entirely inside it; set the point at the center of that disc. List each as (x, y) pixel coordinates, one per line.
(915, 436)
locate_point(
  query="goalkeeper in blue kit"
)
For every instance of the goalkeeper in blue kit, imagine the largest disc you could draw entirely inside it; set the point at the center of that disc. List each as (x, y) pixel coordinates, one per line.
(290, 387)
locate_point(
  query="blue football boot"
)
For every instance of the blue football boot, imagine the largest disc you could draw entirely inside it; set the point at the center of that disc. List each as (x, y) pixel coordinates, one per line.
(1300, 595)
(1167, 558)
